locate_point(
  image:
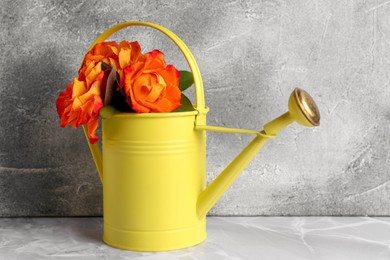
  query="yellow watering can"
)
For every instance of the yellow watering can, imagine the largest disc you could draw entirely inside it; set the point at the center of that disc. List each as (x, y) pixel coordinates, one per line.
(154, 166)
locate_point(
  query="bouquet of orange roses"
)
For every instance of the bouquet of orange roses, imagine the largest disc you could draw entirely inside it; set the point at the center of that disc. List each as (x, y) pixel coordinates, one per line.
(119, 75)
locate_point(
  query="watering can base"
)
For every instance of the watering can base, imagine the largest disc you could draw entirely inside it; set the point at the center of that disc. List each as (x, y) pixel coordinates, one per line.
(154, 241)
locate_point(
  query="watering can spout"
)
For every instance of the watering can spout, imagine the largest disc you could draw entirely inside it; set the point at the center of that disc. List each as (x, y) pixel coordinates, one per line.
(302, 109)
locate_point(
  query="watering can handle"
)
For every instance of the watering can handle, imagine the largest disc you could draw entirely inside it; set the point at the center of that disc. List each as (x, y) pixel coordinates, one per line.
(200, 103)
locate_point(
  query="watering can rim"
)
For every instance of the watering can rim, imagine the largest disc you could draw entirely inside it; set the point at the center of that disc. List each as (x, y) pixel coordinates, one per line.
(116, 113)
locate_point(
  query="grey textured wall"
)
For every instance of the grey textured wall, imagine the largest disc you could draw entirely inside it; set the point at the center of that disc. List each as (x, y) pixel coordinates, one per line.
(251, 54)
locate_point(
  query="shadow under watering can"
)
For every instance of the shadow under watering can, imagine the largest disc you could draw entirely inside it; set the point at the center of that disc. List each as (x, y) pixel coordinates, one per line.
(153, 167)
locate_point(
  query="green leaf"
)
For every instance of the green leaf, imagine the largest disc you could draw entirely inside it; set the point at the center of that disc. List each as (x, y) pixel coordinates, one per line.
(186, 105)
(186, 80)
(105, 66)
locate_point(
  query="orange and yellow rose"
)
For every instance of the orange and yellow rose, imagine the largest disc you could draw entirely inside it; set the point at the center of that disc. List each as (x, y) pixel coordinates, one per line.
(152, 86)
(82, 100)
(106, 52)
(149, 85)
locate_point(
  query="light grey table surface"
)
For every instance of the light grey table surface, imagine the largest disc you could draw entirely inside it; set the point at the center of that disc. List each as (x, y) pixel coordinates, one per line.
(289, 238)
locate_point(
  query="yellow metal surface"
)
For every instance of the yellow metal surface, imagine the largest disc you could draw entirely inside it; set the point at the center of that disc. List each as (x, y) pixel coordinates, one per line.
(227, 130)
(154, 170)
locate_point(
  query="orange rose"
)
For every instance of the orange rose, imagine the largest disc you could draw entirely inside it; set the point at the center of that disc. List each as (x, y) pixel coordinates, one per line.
(77, 106)
(106, 52)
(151, 86)
(81, 102)
(128, 54)
(122, 55)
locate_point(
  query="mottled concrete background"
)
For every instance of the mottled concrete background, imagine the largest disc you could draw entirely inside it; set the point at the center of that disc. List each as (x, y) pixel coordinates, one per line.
(251, 54)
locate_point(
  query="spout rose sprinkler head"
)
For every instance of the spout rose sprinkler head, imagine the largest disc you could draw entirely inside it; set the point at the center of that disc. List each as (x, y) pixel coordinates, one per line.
(301, 108)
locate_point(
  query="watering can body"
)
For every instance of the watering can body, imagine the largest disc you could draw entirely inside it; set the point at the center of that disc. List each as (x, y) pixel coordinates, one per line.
(153, 167)
(154, 170)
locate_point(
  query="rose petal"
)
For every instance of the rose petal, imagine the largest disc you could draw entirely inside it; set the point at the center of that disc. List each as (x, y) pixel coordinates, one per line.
(92, 126)
(124, 57)
(78, 88)
(94, 74)
(154, 60)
